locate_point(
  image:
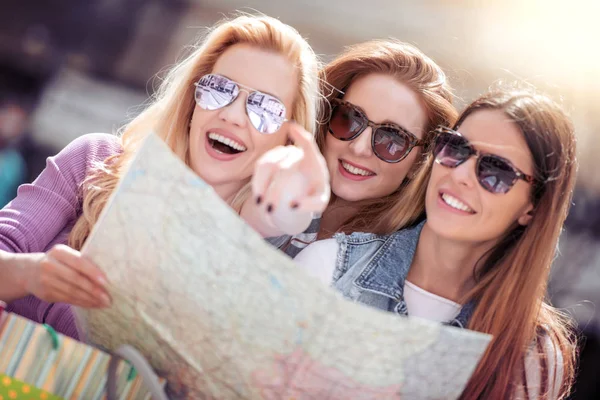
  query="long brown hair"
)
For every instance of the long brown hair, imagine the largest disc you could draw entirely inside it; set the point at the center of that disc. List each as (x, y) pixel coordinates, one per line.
(172, 106)
(511, 281)
(410, 66)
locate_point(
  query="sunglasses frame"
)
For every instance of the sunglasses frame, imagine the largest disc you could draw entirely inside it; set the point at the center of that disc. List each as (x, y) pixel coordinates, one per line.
(412, 140)
(473, 152)
(241, 88)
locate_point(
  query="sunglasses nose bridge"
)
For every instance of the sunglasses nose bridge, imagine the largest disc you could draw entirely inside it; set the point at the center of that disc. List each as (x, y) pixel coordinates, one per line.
(235, 112)
(361, 144)
(241, 89)
(371, 124)
(465, 172)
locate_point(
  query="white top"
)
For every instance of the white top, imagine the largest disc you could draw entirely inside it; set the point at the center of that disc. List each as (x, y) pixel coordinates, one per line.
(424, 304)
(318, 259)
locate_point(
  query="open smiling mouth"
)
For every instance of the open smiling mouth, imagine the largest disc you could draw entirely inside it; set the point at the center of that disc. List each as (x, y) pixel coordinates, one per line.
(224, 145)
(355, 170)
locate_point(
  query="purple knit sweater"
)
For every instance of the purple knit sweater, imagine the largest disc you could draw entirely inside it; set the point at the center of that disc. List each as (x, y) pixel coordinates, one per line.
(43, 214)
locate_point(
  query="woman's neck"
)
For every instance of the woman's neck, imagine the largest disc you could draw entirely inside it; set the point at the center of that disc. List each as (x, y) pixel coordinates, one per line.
(446, 267)
(338, 211)
(228, 191)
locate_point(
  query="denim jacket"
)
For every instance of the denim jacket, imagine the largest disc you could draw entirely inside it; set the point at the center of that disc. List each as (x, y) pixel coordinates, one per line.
(371, 269)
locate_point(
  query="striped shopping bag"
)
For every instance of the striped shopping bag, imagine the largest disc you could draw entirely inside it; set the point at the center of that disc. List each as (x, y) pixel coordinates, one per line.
(38, 363)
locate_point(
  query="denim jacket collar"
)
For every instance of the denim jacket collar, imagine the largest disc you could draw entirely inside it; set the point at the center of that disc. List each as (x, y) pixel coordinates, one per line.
(387, 270)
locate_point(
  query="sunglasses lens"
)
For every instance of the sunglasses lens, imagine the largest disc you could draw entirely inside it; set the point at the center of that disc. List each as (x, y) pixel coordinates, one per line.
(451, 150)
(267, 113)
(345, 122)
(495, 174)
(215, 91)
(390, 144)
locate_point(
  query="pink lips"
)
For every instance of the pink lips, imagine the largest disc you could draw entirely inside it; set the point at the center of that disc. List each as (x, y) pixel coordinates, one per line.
(351, 176)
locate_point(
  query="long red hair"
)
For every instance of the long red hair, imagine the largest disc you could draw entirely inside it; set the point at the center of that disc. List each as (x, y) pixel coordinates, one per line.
(410, 66)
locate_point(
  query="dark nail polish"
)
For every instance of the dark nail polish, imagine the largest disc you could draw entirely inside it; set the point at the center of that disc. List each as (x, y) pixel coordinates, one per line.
(270, 208)
(258, 199)
(294, 205)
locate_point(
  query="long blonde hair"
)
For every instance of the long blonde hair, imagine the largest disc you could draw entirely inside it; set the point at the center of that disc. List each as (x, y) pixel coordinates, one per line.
(512, 279)
(410, 66)
(171, 109)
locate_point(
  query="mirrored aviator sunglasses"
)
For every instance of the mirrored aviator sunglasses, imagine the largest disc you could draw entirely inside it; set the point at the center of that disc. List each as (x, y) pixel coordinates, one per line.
(390, 142)
(266, 112)
(494, 173)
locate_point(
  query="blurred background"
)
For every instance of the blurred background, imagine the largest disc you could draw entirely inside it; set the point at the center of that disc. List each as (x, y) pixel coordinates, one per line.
(69, 67)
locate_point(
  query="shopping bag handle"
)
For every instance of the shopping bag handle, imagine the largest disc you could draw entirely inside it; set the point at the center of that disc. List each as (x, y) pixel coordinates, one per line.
(149, 377)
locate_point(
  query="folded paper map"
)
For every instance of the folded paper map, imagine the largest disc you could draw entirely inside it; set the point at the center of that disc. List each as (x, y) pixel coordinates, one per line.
(222, 314)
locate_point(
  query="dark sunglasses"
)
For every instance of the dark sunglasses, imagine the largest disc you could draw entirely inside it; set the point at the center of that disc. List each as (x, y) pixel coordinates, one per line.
(494, 173)
(266, 112)
(391, 143)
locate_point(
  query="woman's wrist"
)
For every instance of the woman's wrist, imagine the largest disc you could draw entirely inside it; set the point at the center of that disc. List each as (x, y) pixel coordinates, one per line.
(15, 272)
(291, 221)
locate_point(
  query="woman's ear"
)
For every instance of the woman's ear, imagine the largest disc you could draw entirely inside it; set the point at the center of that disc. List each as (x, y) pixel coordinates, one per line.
(526, 217)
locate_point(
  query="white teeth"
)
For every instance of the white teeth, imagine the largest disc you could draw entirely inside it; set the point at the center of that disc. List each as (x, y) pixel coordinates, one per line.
(356, 171)
(455, 203)
(226, 141)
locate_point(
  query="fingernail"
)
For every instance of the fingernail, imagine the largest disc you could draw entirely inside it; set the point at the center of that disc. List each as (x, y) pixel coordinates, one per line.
(294, 205)
(105, 300)
(258, 199)
(270, 208)
(102, 281)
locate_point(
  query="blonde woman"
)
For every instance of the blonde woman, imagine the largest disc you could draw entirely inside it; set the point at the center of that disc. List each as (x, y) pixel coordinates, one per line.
(219, 110)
